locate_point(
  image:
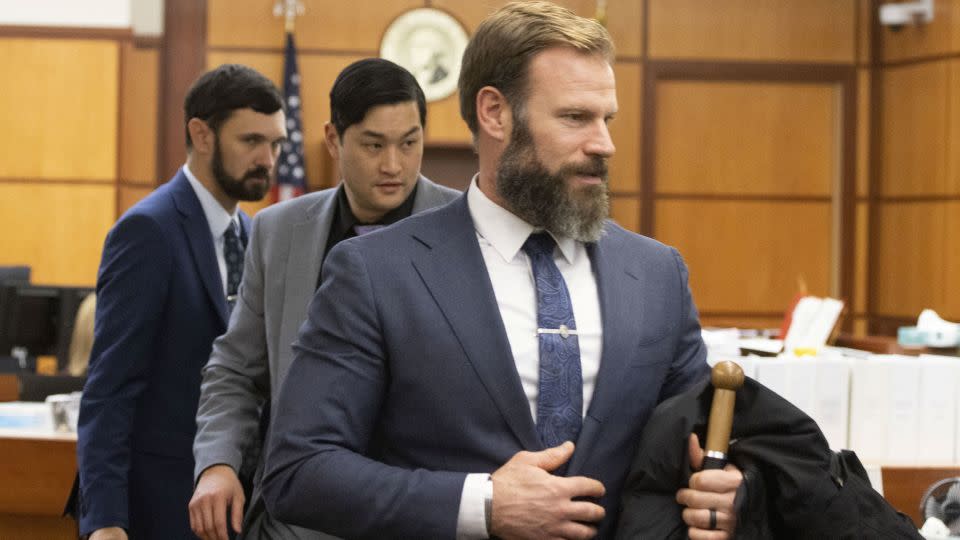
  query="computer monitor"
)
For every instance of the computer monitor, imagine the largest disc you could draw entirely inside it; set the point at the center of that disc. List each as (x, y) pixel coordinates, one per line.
(39, 319)
(14, 274)
(35, 387)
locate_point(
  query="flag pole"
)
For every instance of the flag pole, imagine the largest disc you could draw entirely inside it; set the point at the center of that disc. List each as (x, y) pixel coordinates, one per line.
(291, 171)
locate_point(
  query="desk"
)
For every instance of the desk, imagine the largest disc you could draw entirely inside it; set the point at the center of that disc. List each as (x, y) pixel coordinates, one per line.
(889, 345)
(37, 468)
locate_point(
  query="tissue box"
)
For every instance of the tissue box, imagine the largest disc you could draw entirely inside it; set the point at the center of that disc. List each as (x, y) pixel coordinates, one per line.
(943, 338)
(911, 337)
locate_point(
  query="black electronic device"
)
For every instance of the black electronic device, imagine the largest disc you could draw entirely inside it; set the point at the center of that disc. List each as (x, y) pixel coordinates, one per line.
(14, 274)
(38, 320)
(35, 387)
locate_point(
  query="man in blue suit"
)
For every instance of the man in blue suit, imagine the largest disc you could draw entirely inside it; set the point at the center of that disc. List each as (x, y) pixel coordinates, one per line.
(167, 278)
(433, 390)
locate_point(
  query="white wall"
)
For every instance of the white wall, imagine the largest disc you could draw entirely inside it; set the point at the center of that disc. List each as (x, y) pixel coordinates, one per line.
(144, 16)
(147, 17)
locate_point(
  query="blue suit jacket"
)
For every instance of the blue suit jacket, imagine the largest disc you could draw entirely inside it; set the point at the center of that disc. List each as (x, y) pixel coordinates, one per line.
(160, 305)
(404, 381)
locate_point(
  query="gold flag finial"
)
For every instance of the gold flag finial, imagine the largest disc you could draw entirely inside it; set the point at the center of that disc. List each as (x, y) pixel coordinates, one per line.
(289, 10)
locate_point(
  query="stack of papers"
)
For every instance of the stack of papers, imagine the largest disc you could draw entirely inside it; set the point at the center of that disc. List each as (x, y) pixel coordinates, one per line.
(24, 417)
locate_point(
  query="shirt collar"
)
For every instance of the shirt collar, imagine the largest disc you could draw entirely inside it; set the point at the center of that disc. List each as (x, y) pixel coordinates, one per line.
(505, 231)
(217, 217)
(345, 219)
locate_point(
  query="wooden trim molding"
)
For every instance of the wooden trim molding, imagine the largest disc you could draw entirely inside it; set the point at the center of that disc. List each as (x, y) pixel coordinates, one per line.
(300, 51)
(66, 32)
(875, 146)
(182, 60)
(927, 59)
(887, 325)
(147, 42)
(122, 59)
(676, 70)
(735, 197)
(59, 181)
(925, 198)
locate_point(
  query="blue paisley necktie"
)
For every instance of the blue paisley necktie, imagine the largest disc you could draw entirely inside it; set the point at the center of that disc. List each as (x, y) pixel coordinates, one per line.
(560, 402)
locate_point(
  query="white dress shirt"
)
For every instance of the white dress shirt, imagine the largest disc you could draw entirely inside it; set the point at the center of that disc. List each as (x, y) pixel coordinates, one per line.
(501, 236)
(217, 218)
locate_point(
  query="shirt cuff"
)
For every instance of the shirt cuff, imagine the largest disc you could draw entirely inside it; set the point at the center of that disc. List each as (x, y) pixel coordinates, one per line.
(471, 519)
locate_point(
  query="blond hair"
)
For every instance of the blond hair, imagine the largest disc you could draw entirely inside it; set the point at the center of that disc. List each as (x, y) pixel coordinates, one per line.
(82, 340)
(503, 45)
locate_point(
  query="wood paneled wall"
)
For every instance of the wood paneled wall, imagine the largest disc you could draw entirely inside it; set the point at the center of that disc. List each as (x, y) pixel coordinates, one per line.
(751, 145)
(915, 260)
(766, 140)
(738, 136)
(137, 155)
(79, 144)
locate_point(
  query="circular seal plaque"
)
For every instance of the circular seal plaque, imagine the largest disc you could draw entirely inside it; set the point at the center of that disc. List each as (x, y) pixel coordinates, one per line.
(429, 43)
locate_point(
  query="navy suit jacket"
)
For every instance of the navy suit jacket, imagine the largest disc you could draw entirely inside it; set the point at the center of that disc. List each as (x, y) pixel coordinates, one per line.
(160, 305)
(403, 379)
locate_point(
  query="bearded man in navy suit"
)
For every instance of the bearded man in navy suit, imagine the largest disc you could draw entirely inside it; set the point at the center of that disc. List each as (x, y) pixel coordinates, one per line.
(428, 398)
(167, 280)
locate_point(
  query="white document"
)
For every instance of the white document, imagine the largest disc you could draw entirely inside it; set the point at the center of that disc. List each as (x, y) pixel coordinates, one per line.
(812, 323)
(775, 374)
(832, 400)
(869, 408)
(722, 343)
(938, 409)
(764, 345)
(818, 386)
(903, 428)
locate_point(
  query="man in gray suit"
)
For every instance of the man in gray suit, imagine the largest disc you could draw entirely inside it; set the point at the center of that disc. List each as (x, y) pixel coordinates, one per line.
(375, 134)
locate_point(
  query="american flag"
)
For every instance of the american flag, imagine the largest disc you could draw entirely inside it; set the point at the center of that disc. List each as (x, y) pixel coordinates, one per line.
(291, 176)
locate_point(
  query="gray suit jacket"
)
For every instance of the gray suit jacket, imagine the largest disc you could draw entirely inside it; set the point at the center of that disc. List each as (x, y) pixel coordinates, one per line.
(250, 361)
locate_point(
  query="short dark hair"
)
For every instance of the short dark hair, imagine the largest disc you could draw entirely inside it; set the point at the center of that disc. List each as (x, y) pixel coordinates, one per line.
(219, 92)
(367, 83)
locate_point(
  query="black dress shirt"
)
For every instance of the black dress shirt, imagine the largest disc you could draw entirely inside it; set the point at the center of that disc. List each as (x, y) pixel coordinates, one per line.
(344, 220)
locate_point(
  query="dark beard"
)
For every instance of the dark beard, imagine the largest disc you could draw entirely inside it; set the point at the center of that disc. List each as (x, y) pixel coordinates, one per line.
(240, 190)
(548, 200)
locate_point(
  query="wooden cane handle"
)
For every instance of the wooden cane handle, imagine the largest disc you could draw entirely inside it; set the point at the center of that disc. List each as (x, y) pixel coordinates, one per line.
(727, 378)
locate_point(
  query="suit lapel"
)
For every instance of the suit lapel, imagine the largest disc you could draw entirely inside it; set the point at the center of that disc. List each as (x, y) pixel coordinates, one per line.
(308, 239)
(455, 274)
(245, 223)
(197, 232)
(616, 287)
(427, 197)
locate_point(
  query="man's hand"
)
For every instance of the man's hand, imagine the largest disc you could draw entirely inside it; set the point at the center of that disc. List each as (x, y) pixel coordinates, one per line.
(709, 490)
(217, 489)
(529, 502)
(108, 533)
